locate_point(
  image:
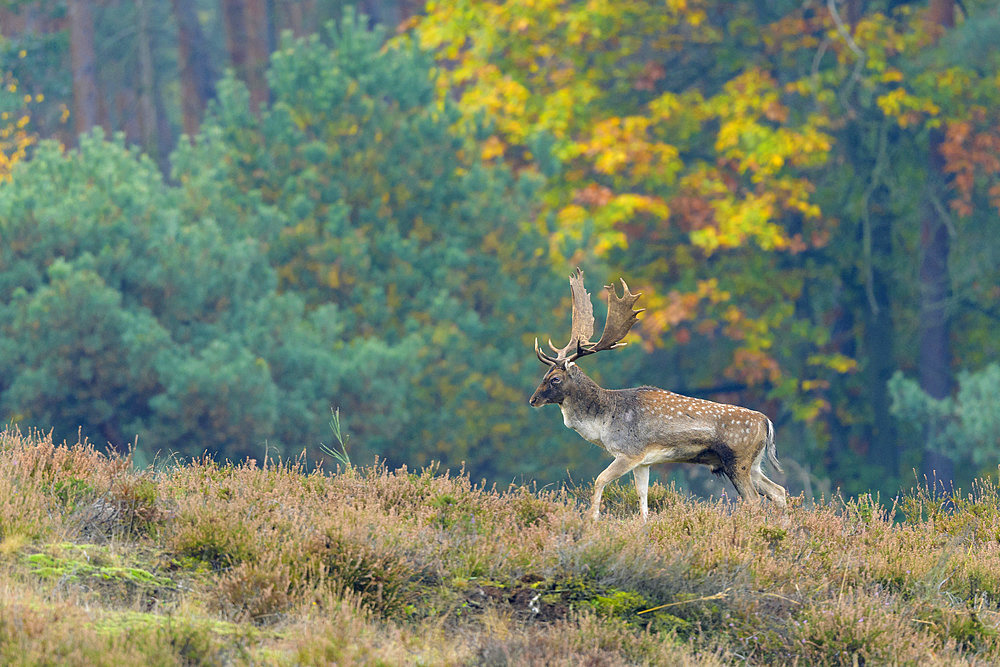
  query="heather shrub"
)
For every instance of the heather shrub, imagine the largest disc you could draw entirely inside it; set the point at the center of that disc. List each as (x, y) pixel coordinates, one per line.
(220, 539)
(336, 630)
(275, 531)
(73, 489)
(251, 562)
(529, 507)
(621, 500)
(24, 512)
(129, 506)
(256, 591)
(31, 634)
(857, 628)
(587, 639)
(353, 554)
(37, 630)
(222, 513)
(41, 481)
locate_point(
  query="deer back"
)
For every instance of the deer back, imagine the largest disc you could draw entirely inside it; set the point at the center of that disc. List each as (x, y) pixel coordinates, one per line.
(670, 419)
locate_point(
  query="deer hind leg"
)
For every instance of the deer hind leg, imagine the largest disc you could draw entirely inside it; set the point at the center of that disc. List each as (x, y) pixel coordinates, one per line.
(774, 491)
(641, 475)
(618, 467)
(739, 474)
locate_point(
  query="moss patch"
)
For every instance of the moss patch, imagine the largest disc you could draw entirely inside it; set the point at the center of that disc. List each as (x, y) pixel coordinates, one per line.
(92, 563)
(116, 622)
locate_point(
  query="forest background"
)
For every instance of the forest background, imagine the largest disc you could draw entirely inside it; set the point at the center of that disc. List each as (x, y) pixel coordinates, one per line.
(220, 219)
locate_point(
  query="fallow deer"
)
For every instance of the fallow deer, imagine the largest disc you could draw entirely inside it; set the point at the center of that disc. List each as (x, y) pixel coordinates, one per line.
(646, 425)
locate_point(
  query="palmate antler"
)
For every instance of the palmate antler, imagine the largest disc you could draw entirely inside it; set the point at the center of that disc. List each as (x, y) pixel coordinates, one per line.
(621, 319)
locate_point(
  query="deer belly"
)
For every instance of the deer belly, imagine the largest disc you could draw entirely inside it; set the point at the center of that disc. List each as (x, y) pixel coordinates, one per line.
(671, 454)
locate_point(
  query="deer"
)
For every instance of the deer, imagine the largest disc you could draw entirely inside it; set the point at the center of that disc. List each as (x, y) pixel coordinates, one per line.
(646, 425)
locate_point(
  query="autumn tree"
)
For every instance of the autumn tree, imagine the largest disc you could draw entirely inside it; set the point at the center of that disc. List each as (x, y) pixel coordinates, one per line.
(671, 156)
(911, 88)
(754, 167)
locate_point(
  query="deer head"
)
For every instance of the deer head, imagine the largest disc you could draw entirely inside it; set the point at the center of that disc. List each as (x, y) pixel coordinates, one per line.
(562, 369)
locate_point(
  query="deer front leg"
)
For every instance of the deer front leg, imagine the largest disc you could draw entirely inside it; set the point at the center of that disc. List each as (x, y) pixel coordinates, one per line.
(618, 467)
(641, 475)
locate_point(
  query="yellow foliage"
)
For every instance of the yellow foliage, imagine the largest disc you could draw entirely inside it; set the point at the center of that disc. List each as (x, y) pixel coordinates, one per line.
(837, 362)
(891, 75)
(492, 148)
(333, 277)
(906, 108)
(15, 140)
(729, 167)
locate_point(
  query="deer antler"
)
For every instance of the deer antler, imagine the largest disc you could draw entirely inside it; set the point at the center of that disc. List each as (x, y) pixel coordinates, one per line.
(583, 317)
(620, 320)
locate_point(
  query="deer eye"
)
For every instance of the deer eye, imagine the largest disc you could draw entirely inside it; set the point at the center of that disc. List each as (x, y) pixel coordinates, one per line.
(555, 380)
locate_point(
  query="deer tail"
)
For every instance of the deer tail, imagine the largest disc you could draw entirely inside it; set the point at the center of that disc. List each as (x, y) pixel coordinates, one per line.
(772, 451)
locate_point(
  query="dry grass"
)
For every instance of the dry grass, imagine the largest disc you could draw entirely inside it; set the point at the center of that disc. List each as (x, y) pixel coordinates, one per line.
(268, 563)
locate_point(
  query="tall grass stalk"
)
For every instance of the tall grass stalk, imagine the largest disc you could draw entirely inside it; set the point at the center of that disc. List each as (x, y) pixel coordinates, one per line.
(341, 455)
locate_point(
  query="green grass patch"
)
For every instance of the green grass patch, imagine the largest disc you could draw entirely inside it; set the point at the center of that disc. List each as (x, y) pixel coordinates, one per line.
(93, 563)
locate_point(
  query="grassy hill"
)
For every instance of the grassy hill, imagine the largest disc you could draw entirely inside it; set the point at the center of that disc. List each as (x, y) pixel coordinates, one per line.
(265, 563)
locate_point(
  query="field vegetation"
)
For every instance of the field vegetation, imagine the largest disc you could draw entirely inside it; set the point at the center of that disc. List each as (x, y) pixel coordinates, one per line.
(282, 562)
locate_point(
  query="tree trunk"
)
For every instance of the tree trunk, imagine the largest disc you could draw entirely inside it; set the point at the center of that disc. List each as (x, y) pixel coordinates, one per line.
(855, 9)
(148, 124)
(866, 312)
(935, 284)
(82, 61)
(125, 104)
(295, 16)
(880, 336)
(260, 36)
(165, 139)
(247, 30)
(197, 74)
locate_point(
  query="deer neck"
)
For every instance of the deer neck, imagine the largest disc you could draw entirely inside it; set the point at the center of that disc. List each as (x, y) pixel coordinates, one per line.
(587, 407)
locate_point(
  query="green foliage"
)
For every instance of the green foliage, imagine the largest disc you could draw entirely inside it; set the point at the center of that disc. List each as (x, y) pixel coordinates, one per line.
(371, 205)
(965, 425)
(124, 318)
(80, 360)
(343, 247)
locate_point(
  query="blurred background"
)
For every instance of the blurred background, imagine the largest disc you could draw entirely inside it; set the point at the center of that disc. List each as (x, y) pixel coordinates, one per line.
(220, 219)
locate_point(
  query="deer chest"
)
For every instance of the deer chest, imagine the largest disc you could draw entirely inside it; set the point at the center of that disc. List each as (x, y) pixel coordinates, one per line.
(590, 427)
